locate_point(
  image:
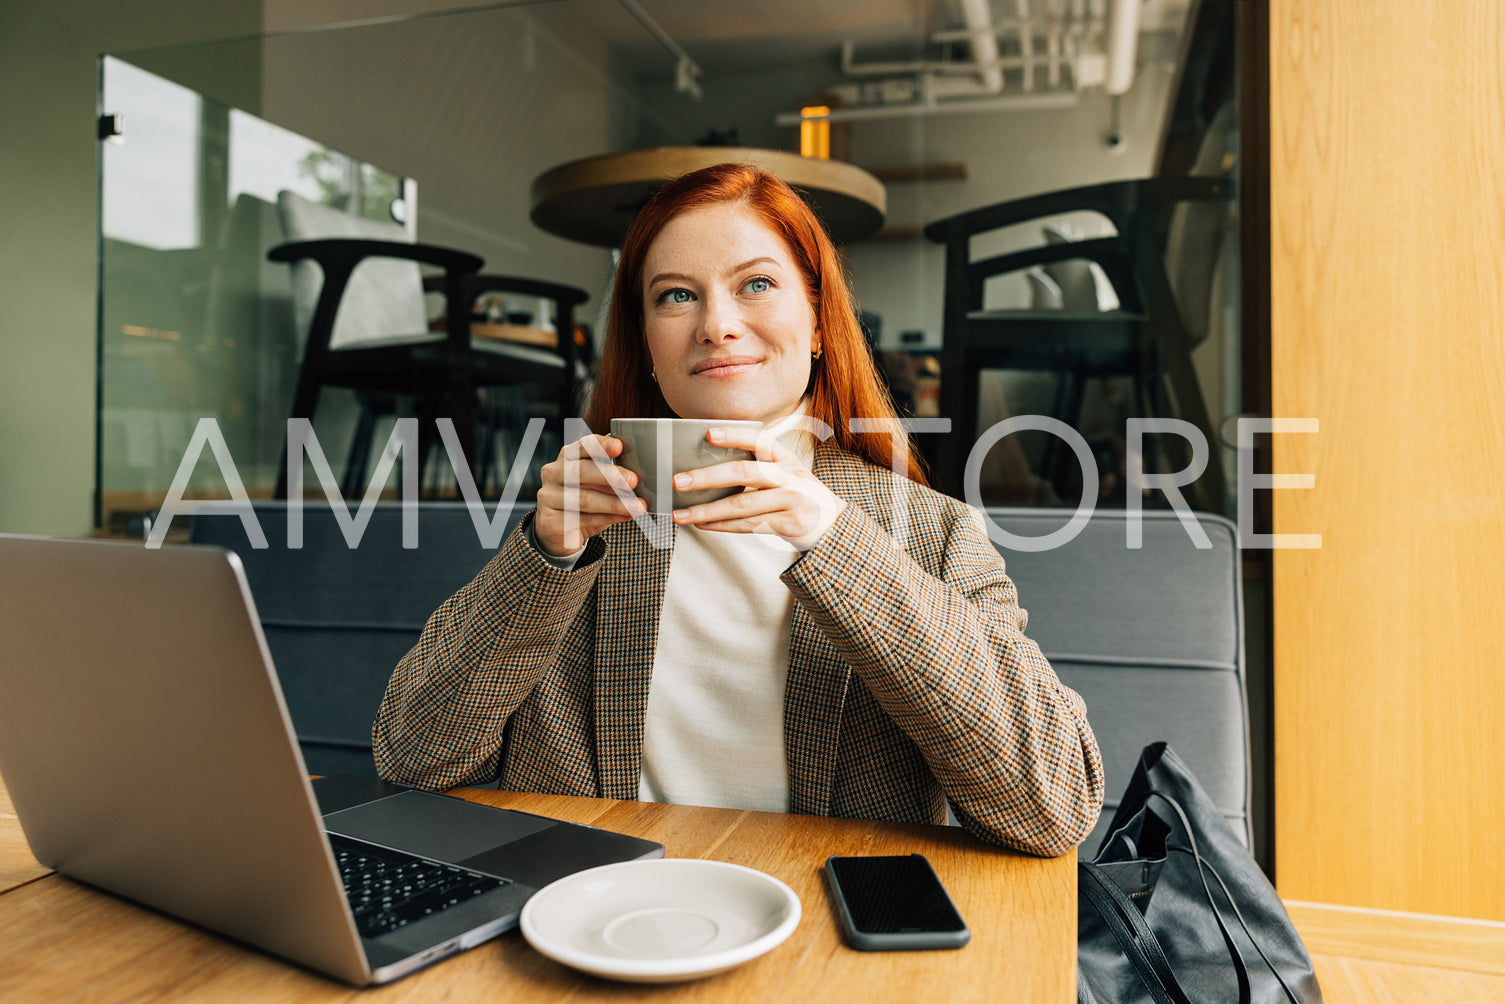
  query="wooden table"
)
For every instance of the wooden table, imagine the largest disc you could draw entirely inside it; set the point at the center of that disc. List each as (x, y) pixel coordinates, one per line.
(65, 941)
(522, 334)
(594, 200)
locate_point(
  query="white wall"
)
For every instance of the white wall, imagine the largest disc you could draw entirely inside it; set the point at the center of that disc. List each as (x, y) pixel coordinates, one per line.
(48, 242)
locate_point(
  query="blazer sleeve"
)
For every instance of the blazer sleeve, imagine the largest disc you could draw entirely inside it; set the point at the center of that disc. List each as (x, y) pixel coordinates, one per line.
(947, 659)
(480, 655)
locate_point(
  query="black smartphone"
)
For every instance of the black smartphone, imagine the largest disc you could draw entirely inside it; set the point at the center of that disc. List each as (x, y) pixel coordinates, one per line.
(893, 903)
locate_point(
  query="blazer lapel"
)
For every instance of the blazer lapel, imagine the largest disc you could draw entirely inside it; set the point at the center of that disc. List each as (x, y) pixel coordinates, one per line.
(814, 694)
(816, 688)
(631, 589)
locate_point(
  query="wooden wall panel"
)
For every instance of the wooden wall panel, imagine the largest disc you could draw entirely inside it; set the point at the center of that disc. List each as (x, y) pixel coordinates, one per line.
(1388, 325)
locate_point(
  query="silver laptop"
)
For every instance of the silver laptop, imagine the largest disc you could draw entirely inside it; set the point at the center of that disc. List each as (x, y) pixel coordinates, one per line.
(147, 748)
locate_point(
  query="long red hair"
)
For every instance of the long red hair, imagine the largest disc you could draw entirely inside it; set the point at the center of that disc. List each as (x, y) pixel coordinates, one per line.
(844, 383)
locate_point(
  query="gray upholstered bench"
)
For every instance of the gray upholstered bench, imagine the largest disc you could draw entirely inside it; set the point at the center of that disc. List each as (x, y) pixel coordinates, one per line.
(1153, 640)
(338, 619)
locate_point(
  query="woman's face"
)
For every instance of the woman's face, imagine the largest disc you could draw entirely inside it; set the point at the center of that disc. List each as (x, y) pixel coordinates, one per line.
(727, 317)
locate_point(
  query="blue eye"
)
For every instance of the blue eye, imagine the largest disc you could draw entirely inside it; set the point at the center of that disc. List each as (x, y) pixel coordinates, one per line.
(675, 296)
(758, 285)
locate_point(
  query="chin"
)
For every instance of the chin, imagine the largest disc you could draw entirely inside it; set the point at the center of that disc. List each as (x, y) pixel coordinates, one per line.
(731, 406)
(731, 411)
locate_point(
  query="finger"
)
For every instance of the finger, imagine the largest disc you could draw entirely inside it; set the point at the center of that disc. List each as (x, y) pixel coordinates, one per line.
(732, 474)
(588, 448)
(567, 498)
(602, 477)
(760, 442)
(794, 511)
(742, 506)
(582, 463)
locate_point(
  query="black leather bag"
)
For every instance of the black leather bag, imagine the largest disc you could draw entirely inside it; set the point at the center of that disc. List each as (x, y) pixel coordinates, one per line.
(1174, 909)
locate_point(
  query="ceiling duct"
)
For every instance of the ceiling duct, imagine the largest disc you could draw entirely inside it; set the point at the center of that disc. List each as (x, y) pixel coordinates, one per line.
(1056, 49)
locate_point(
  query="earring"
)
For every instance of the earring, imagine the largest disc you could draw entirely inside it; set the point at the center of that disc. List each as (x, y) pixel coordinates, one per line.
(817, 352)
(654, 374)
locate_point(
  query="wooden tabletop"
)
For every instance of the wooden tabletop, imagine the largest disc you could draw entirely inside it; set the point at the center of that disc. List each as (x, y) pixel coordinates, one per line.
(594, 200)
(521, 333)
(66, 941)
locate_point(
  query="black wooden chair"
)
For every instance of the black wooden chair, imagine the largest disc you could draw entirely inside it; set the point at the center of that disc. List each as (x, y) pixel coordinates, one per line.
(1145, 339)
(368, 330)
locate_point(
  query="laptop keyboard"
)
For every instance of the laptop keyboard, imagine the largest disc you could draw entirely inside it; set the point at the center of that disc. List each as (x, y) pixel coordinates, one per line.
(389, 889)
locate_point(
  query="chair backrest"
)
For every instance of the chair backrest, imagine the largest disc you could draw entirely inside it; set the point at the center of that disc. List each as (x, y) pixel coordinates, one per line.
(1076, 278)
(1044, 292)
(1151, 638)
(384, 298)
(1197, 232)
(337, 619)
(1084, 286)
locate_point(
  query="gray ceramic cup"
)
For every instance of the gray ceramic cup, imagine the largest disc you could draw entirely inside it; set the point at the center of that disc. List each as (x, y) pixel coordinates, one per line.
(656, 449)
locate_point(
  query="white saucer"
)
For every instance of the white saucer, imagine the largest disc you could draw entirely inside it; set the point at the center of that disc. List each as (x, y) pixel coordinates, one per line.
(660, 921)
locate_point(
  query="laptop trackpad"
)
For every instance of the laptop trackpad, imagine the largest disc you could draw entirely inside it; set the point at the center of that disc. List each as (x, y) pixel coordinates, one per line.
(435, 826)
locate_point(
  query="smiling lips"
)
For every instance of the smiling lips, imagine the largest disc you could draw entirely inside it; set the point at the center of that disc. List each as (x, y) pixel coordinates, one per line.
(724, 366)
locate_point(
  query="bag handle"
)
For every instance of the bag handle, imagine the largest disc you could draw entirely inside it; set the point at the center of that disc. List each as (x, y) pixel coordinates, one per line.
(1204, 866)
(1139, 944)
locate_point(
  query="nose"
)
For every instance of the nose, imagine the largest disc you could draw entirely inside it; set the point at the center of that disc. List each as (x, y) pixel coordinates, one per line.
(720, 320)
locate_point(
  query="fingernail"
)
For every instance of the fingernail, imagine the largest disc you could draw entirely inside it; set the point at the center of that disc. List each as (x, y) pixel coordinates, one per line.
(680, 515)
(717, 435)
(681, 481)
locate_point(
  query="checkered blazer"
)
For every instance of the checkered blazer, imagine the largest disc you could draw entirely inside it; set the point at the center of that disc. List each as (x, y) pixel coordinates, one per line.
(910, 679)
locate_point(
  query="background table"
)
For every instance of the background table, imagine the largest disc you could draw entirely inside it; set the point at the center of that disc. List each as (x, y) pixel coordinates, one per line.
(594, 200)
(63, 940)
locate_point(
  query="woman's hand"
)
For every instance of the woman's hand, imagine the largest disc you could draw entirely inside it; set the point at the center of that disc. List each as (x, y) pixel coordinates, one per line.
(579, 497)
(783, 497)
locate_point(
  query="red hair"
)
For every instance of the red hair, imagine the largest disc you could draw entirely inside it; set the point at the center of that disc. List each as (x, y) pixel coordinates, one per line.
(844, 383)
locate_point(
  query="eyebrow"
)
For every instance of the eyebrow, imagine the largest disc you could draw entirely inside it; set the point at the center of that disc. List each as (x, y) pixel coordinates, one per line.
(680, 276)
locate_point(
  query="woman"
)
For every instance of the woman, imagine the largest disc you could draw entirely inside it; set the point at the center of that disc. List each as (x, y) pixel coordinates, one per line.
(870, 664)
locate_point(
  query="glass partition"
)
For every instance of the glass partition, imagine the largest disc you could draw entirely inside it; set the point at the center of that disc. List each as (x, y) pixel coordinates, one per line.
(470, 108)
(194, 321)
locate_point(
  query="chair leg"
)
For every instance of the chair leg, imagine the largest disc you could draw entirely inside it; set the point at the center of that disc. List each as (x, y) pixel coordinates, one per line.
(429, 444)
(959, 400)
(511, 422)
(1071, 395)
(463, 407)
(305, 401)
(1180, 373)
(489, 428)
(354, 481)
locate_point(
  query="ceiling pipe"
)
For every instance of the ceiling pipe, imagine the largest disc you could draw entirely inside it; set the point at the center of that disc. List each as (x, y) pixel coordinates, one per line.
(979, 21)
(687, 72)
(1003, 102)
(1096, 41)
(949, 80)
(1026, 47)
(1121, 45)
